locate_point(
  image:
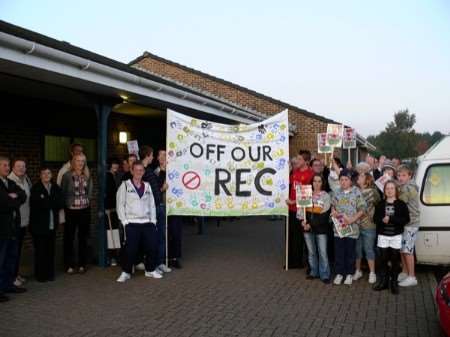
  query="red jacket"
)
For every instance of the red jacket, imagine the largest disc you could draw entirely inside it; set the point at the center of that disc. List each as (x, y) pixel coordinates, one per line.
(298, 176)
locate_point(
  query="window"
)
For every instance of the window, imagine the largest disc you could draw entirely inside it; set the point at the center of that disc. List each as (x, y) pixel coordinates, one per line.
(56, 148)
(436, 185)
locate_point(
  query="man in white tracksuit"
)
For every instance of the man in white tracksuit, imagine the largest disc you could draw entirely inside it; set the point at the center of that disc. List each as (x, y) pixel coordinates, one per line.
(136, 210)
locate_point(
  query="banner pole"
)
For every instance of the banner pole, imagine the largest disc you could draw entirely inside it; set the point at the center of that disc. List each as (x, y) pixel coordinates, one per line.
(286, 262)
(349, 159)
(166, 207)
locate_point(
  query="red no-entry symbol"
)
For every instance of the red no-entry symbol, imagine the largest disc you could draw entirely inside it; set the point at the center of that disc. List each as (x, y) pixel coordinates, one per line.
(191, 180)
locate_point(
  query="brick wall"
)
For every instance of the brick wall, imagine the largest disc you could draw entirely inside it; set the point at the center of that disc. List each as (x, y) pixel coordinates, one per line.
(307, 126)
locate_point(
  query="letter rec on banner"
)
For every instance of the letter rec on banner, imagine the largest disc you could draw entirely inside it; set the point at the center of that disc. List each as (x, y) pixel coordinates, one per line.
(334, 135)
(227, 170)
(349, 141)
(322, 144)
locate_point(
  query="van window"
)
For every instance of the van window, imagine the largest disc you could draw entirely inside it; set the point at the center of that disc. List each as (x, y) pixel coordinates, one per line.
(436, 185)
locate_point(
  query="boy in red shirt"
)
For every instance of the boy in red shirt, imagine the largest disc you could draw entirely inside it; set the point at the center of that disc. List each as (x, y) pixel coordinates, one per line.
(301, 174)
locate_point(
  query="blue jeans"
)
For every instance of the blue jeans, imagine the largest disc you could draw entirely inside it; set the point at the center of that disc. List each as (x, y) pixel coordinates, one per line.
(317, 255)
(9, 251)
(161, 225)
(345, 255)
(365, 245)
(137, 235)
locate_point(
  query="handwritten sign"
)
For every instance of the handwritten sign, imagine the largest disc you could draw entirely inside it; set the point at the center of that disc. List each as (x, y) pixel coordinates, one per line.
(322, 144)
(334, 135)
(349, 141)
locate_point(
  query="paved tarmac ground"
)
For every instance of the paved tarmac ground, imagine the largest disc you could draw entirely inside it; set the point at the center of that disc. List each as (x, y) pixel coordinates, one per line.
(232, 284)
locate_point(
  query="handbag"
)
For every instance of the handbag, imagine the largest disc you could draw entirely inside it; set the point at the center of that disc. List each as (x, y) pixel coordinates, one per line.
(112, 235)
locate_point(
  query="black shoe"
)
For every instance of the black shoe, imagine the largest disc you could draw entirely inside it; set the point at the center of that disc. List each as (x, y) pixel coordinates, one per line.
(3, 298)
(16, 290)
(394, 286)
(382, 284)
(175, 264)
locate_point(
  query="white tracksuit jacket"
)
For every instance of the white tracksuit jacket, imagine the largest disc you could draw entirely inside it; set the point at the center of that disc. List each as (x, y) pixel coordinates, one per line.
(132, 209)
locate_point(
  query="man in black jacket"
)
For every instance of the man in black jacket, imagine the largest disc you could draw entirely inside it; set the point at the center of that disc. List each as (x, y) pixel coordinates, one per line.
(11, 197)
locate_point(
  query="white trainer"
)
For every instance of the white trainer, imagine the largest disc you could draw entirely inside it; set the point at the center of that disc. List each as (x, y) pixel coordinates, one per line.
(153, 274)
(348, 280)
(358, 274)
(338, 279)
(123, 277)
(140, 267)
(401, 277)
(164, 268)
(372, 278)
(410, 281)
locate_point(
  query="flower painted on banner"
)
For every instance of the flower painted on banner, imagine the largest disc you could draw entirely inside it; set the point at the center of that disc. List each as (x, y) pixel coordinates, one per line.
(282, 138)
(277, 199)
(194, 122)
(178, 192)
(186, 166)
(218, 204)
(283, 126)
(180, 136)
(207, 172)
(278, 153)
(244, 205)
(171, 153)
(281, 185)
(235, 128)
(281, 163)
(186, 130)
(172, 145)
(270, 136)
(194, 202)
(275, 127)
(208, 197)
(258, 137)
(179, 204)
(179, 153)
(169, 200)
(203, 205)
(269, 204)
(230, 202)
(173, 175)
(268, 181)
(255, 204)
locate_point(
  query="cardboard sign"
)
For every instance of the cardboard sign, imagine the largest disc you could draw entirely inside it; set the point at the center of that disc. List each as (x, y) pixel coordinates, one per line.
(349, 141)
(227, 170)
(342, 229)
(334, 135)
(380, 182)
(133, 147)
(303, 195)
(322, 144)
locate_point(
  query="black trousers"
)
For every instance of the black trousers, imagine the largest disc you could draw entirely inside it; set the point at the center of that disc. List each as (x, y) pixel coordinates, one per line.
(76, 219)
(145, 236)
(296, 242)
(20, 236)
(44, 256)
(386, 255)
(175, 233)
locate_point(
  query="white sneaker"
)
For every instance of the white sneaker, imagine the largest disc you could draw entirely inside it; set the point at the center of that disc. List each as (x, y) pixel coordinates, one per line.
(348, 280)
(401, 277)
(338, 279)
(410, 281)
(372, 278)
(163, 268)
(153, 274)
(113, 262)
(140, 267)
(358, 274)
(123, 277)
(18, 283)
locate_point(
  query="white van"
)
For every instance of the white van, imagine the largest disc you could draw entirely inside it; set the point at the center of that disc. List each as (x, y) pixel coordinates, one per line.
(433, 178)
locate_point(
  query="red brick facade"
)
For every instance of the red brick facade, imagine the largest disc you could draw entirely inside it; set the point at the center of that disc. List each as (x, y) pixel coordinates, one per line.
(307, 124)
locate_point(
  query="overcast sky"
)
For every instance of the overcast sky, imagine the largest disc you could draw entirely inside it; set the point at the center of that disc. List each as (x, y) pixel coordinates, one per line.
(353, 61)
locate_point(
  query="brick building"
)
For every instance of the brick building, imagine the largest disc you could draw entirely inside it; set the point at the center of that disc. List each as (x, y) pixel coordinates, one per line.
(305, 124)
(54, 94)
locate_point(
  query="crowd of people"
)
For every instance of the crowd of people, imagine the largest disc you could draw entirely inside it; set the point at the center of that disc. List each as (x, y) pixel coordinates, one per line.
(381, 222)
(134, 203)
(382, 225)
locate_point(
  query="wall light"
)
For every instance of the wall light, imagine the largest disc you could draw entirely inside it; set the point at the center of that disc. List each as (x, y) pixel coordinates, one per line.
(123, 137)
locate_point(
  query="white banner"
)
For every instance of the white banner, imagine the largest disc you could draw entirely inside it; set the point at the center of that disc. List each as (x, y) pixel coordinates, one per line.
(349, 141)
(227, 170)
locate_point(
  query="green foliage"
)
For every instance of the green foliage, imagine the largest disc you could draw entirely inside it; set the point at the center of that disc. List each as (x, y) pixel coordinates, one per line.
(399, 139)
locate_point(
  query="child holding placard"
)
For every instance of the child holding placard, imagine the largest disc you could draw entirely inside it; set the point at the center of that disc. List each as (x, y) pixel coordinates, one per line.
(348, 208)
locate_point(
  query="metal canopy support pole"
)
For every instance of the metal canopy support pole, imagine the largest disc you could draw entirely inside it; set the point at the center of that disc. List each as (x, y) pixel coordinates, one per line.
(103, 111)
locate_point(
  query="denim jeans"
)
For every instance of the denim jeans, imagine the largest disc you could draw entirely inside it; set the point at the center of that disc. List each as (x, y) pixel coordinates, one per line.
(317, 255)
(8, 259)
(345, 255)
(365, 245)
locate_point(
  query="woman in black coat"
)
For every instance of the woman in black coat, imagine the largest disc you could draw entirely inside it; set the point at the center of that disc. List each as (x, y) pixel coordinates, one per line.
(45, 202)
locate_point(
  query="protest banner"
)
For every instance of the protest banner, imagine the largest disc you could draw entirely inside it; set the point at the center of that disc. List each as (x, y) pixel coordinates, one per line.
(334, 135)
(322, 144)
(303, 195)
(227, 170)
(380, 182)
